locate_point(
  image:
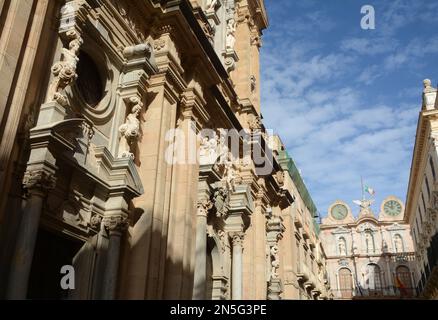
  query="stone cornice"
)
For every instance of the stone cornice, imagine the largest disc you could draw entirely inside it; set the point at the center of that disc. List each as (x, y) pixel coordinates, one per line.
(419, 161)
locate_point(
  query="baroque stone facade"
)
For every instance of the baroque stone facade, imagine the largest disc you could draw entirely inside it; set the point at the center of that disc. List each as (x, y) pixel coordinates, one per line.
(96, 96)
(422, 197)
(369, 257)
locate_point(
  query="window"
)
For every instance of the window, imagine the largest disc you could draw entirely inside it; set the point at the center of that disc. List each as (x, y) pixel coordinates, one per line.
(432, 168)
(89, 82)
(403, 281)
(373, 279)
(398, 243)
(369, 242)
(342, 246)
(345, 283)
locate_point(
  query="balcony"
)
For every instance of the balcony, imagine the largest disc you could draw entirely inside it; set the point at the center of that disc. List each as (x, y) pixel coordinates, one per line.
(303, 273)
(297, 221)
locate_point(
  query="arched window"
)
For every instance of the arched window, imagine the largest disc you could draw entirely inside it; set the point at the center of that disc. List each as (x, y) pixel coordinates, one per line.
(369, 242)
(398, 243)
(403, 281)
(342, 246)
(345, 283)
(374, 279)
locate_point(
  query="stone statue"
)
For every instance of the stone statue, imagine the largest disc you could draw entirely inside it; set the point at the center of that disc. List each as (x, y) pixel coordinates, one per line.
(369, 242)
(398, 243)
(427, 86)
(230, 174)
(231, 34)
(275, 262)
(208, 150)
(211, 5)
(342, 249)
(65, 70)
(130, 130)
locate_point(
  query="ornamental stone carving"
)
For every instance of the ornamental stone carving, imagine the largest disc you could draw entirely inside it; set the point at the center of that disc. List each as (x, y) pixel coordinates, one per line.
(115, 223)
(211, 6)
(236, 238)
(39, 179)
(231, 34)
(64, 71)
(203, 207)
(275, 262)
(221, 201)
(255, 123)
(73, 16)
(130, 130)
(429, 95)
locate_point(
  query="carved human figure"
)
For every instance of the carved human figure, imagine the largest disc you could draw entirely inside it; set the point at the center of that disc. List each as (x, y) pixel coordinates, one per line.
(208, 150)
(130, 130)
(230, 174)
(210, 6)
(398, 243)
(342, 248)
(231, 34)
(223, 149)
(64, 71)
(369, 243)
(275, 262)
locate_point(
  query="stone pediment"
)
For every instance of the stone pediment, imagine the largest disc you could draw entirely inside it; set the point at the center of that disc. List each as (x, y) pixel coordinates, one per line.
(340, 230)
(69, 140)
(367, 226)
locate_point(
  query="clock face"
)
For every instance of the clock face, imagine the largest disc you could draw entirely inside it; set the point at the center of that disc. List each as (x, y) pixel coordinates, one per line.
(392, 208)
(339, 212)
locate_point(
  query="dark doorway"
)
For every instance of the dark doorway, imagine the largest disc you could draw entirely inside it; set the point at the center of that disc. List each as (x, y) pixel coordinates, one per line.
(52, 251)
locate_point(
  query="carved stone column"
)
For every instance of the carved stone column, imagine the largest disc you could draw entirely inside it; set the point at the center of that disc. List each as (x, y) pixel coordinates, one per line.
(236, 275)
(37, 183)
(201, 250)
(115, 226)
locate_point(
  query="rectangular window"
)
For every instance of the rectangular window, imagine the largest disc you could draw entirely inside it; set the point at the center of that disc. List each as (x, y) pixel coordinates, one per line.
(421, 216)
(432, 168)
(416, 222)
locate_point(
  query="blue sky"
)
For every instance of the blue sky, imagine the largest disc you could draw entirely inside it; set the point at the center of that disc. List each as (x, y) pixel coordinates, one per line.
(345, 100)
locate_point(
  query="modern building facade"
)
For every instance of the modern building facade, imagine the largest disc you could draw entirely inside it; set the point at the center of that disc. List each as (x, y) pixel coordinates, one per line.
(119, 122)
(422, 196)
(369, 257)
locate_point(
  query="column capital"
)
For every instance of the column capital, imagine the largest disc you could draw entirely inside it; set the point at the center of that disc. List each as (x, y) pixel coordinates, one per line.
(39, 181)
(237, 238)
(115, 224)
(203, 207)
